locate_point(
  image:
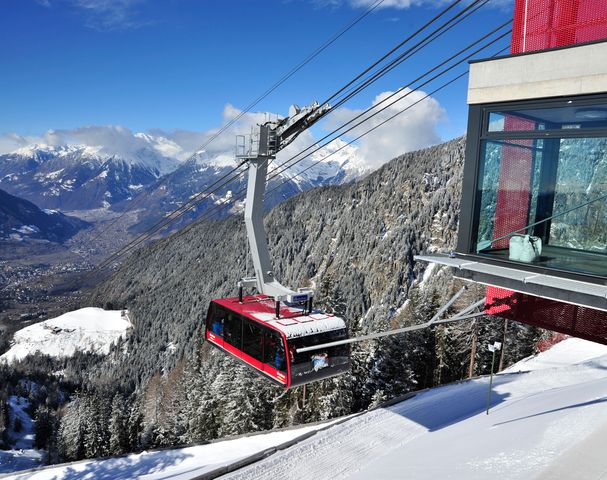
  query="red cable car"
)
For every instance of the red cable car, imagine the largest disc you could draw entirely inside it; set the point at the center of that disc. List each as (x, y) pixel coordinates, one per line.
(268, 331)
(251, 332)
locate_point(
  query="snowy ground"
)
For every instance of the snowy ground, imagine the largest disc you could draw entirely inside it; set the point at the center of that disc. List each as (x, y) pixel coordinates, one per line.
(178, 464)
(88, 330)
(540, 423)
(23, 455)
(548, 420)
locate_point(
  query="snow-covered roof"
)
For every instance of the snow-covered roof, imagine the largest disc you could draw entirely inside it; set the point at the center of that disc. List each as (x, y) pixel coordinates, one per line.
(302, 325)
(291, 322)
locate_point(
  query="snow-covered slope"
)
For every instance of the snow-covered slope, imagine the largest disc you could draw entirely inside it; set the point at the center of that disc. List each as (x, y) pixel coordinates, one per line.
(547, 421)
(22, 455)
(87, 330)
(177, 464)
(537, 418)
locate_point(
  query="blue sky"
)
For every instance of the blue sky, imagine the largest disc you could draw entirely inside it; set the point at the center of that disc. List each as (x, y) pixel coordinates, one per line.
(176, 64)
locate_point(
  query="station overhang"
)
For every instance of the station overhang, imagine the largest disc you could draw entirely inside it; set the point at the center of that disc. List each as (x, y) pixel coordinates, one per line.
(541, 285)
(565, 71)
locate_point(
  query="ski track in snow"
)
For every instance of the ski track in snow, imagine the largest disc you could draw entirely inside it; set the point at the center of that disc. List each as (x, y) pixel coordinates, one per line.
(444, 432)
(23, 455)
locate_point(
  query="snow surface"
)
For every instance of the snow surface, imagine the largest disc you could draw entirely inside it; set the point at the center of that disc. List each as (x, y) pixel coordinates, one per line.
(550, 422)
(87, 330)
(22, 455)
(547, 421)
(302, 324)
(177, 464)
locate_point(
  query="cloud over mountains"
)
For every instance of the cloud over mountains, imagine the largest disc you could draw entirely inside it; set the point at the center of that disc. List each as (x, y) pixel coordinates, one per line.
(410, 130)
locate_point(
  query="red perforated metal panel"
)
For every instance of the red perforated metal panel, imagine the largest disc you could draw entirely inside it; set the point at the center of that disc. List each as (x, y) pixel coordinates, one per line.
(513, 194)
(541, 24)
(562, 317)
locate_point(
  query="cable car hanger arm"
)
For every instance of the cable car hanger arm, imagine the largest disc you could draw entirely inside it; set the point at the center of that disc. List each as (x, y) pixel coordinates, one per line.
(271, 138)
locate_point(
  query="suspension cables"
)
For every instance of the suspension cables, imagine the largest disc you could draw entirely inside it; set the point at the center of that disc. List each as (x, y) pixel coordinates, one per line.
(435, 34)
(224, 203)
(336, 132)
(414, 34)
(227, 202)
(292, 72)
(238, 171)
(253, 103)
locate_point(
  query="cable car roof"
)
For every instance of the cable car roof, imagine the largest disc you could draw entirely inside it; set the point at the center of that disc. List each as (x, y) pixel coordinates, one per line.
(291, 322)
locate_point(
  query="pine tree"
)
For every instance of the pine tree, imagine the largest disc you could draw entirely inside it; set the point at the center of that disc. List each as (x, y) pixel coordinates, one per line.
(118, 426)
(134, 426)
(71, 431)
(43, 428)
(3, 419)
(329, 297)
(329, 398)
(96, 429)
(243, 410)
(174, 420)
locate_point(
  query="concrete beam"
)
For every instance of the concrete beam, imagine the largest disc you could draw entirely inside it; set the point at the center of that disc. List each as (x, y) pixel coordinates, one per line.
(576, 70)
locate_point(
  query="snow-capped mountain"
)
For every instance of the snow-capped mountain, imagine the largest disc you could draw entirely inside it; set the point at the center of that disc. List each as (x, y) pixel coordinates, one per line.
(332, 165)
(80, 177)
(20, 219)
(338, 162)
(83, 177)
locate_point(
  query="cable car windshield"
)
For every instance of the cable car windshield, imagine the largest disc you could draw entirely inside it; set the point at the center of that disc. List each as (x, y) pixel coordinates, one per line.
(314, 365)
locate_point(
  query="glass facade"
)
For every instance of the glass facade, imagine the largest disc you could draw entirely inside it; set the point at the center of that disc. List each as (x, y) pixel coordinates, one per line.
(541, 194)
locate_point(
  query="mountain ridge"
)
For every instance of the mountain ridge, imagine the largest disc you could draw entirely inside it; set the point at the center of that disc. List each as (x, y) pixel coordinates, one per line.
(21, 219)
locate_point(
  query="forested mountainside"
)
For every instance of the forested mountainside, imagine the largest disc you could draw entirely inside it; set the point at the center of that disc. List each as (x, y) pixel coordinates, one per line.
(354, 243)
(21, 219)
(359, 237)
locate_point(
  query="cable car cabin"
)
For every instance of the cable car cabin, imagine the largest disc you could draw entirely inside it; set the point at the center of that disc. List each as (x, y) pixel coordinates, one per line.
(251, 332)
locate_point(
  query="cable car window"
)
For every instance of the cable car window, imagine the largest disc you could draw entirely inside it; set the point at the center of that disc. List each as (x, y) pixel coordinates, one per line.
(314, 362)
(216, 320)
(233, 329)
(252, 339)
(274, 351)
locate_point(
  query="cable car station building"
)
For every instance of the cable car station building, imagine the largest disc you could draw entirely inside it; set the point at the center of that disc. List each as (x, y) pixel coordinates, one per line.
(533, 223)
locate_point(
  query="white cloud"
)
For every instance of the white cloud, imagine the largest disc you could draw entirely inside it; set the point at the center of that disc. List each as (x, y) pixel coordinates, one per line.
(121, 141)
(106, 15)
(414, 129)
(411, 130)
(13, 141)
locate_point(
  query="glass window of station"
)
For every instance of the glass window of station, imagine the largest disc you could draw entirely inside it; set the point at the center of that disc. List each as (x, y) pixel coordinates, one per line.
(541, 196)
